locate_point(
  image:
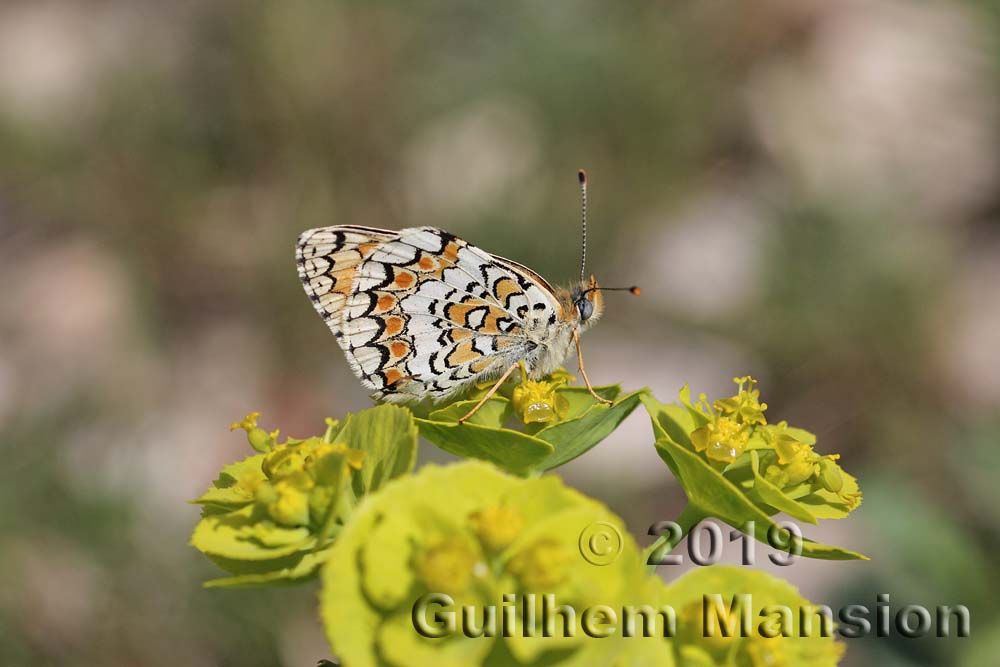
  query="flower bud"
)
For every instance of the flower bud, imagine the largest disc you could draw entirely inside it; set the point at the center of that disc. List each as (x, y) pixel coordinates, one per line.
(284, 460)
(291, 504)
(259, 439)
(830, 477)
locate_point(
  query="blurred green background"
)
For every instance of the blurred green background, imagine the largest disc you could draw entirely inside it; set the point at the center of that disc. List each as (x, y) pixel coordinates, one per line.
(807, 191)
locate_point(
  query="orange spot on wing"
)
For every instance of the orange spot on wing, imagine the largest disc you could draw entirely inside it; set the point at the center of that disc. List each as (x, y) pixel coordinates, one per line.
(368, 248)
(399, 349)
(392, 376)
(343, 279)
(451, 251)
(393, 325)
(459, 312)
(490, 323)
(386, 302)
(404, 280)
(505, 288)
(457, 335)
(425, 263)
(462, 353)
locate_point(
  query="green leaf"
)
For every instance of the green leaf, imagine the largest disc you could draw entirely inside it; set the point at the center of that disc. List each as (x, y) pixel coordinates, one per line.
(580, 400)
(388, 435)
(241, 536)
(538, 447)
(389, 548)
(305, 567)
(513, 451)
(574, 437)
(669, 420)
(698, 418)
(235, 486)
(493, 414)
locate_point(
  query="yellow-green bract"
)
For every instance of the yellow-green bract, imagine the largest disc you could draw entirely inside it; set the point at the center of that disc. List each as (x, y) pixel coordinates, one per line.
(272, 517)
(579, 423)
(734, 466)
(448, 530)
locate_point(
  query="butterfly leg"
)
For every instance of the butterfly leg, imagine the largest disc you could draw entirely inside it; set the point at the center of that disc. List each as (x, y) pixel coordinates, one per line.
(489, 394)
(583, 372)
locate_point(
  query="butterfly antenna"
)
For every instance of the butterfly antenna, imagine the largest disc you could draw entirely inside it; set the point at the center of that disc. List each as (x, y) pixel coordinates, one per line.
(583, 223)
(634, 290)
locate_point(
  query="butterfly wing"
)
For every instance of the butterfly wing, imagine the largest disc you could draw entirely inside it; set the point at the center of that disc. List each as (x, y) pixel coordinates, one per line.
(421, 312)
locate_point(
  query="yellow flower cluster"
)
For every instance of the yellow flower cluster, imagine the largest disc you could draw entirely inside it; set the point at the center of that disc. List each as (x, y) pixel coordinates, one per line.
(797, 463)
(732, 420)
(538, 401)
(300, 474)
(734, 425)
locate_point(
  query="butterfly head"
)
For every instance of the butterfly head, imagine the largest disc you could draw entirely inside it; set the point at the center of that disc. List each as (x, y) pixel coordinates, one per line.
(588, 303)
(585, 301)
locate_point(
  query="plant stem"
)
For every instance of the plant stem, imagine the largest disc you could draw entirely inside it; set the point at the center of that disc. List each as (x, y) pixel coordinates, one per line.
(690, 517)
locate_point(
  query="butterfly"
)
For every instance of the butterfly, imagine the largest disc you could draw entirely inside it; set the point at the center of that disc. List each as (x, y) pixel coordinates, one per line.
(421, 313)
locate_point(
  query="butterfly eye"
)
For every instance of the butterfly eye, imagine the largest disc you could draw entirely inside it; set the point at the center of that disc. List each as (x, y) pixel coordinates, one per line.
(586, 308)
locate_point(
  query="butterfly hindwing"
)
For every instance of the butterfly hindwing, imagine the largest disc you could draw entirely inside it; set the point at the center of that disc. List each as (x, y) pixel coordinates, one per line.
(328, 259)
(421, 312)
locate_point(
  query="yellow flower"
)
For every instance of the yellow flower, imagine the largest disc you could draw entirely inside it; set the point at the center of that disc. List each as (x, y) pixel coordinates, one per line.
(353, 458)
(722, 440)
(731, 421)
(249, 422)
(448, 566)
(694, 630)
(541, 566)
(538, 402)
(745, 406)
(497, 526)
(797, 462)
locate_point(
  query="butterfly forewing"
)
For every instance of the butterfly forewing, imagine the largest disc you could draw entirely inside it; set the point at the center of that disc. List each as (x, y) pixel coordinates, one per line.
(421, 312)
